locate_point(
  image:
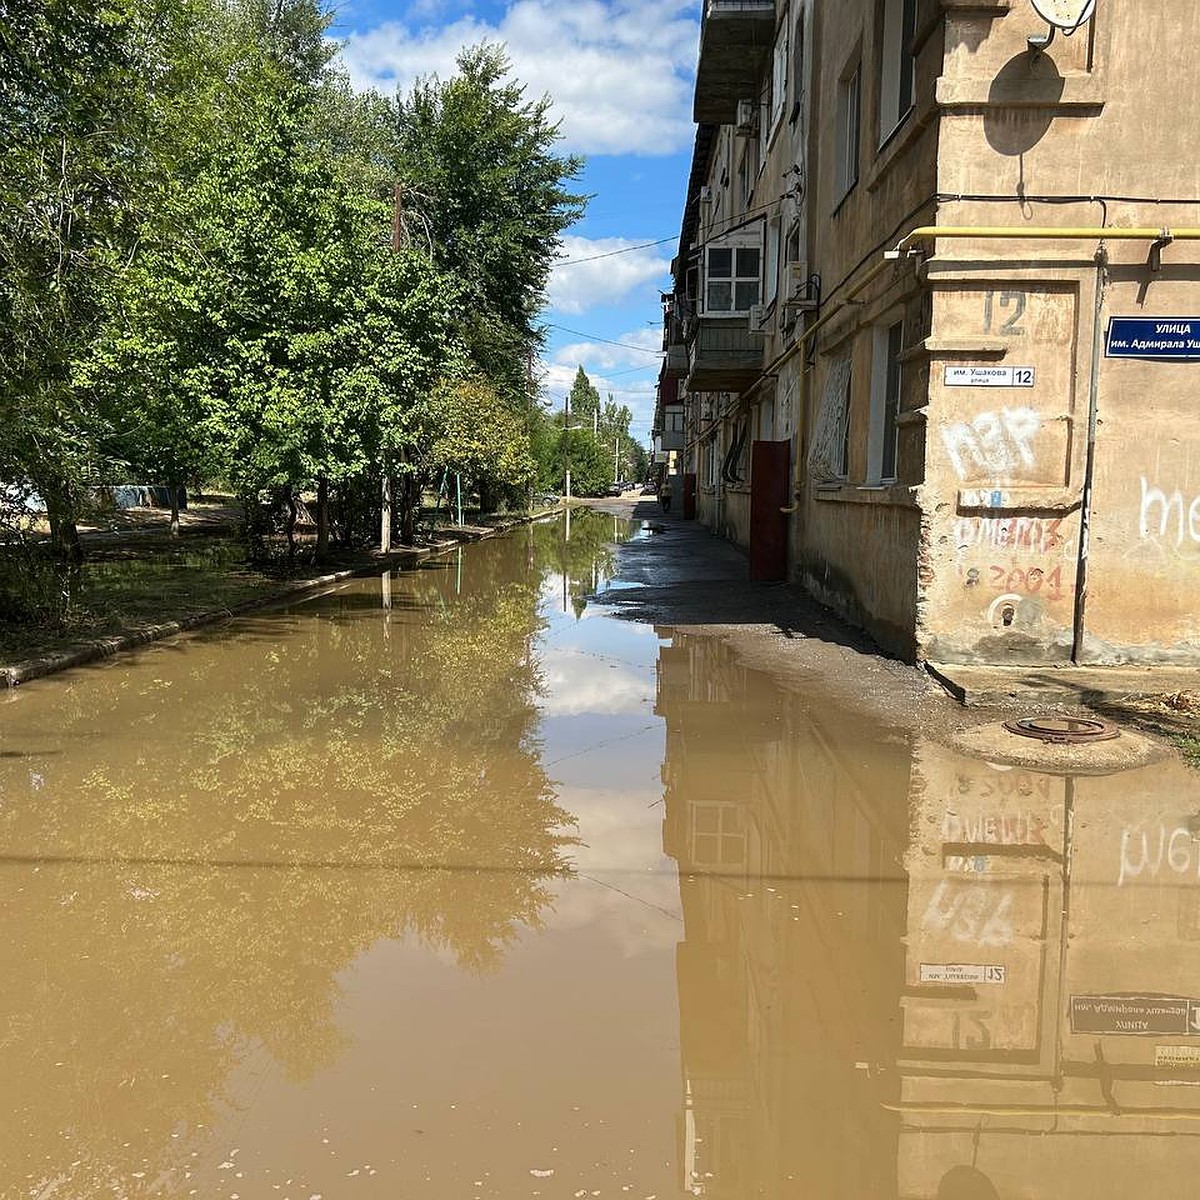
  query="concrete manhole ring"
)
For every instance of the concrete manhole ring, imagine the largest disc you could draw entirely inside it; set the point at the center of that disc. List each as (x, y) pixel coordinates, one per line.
(1064, 731)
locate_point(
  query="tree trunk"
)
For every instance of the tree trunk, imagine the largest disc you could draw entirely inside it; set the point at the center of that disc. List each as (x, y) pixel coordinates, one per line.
(291, 527)
(408, 511)
(174, 490)
(64, 534)
(322, 519)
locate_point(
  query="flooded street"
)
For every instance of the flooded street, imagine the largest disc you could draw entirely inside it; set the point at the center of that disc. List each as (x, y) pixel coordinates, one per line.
(453, 884)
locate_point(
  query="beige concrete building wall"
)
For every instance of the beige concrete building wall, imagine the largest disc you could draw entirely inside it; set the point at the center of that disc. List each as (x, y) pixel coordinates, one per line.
(1095, 115)
(966, 544)
(856, 538)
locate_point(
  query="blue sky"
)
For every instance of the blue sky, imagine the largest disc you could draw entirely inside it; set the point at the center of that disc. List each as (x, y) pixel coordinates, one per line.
(620, 74)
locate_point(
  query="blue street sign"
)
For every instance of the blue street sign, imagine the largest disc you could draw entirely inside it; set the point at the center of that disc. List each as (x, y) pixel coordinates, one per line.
(1175, 338)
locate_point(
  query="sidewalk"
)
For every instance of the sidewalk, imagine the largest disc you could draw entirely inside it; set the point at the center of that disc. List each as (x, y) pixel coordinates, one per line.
(685, 577)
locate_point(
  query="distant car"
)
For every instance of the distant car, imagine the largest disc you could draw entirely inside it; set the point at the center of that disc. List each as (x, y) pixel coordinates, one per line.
(616, 489)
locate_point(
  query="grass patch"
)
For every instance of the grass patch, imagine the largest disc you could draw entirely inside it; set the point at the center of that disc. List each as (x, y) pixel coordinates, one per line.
(128, 588)
(1175, 718)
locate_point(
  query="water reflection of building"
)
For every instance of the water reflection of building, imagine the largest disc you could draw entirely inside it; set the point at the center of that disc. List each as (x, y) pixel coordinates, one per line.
(883, 945)
(1057, 891)
(789, 830)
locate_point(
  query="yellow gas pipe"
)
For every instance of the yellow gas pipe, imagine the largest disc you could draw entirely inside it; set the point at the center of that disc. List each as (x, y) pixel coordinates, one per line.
(1077, 233)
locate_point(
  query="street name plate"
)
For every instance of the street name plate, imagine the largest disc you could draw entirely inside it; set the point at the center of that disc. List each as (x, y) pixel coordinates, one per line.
(1136, 1016)
(991, 377)
(1186, 1058)
(1175, 338)
(961, 973)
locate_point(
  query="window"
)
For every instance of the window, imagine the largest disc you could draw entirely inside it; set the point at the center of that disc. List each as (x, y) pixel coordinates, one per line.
(885, 403)
(733, 281)
(779, 74)
(842, 465)
(896, 67)
(774, 239)
(710, 462)
(717, 836)
(747, 173)
(798, 65)
(849, 120)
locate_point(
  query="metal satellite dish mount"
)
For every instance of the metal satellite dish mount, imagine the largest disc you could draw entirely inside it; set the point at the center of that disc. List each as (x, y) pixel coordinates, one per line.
(1067, 15)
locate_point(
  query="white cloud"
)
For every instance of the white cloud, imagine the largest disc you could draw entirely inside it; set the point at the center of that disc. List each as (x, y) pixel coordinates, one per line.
(641, 348)
(575, 687)
(583, 281)
(619, 71)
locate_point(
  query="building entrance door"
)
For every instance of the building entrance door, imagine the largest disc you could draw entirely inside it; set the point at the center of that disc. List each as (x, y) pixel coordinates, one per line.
(769, 486)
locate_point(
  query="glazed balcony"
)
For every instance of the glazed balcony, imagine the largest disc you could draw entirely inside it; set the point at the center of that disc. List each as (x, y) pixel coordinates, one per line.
(724, 355)
(736, 37)
(675, 365)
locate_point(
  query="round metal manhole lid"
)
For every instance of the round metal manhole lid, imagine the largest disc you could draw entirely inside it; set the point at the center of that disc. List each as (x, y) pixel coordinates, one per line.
(1064, 731)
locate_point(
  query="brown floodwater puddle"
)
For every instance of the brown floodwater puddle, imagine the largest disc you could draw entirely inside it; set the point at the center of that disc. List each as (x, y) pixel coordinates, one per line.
(452, 885)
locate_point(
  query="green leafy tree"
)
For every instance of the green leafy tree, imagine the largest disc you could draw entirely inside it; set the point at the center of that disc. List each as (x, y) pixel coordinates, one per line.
(72, 89)
(477, 163)
(584, 401)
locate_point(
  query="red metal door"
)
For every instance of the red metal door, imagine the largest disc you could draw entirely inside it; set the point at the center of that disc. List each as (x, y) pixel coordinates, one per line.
(689, 496)
(769, 488)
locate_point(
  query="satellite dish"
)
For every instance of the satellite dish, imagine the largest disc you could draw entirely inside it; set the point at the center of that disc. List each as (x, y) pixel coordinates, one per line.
(1067, 15)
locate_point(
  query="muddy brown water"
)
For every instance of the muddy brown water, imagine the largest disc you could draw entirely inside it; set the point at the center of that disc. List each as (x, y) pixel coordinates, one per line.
(453, 885)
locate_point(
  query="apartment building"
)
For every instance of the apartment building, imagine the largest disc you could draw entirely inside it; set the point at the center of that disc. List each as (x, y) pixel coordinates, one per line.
(931, 341)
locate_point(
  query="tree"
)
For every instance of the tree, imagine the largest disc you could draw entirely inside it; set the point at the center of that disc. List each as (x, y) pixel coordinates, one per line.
(481, 437)
(584, 400)
(478, 163)
(73, 82)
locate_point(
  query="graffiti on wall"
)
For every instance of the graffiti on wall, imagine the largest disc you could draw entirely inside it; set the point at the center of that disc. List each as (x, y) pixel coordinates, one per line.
(993, 444)
(1166, 517)
(1164, 852)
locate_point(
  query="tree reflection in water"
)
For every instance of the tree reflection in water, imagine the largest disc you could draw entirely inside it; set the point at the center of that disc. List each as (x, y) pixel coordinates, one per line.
(217, 830)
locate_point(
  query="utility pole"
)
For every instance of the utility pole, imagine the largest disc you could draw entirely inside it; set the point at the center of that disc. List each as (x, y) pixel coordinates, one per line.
(617, 457)
(385, 506)
(567, 448)
(385, 523)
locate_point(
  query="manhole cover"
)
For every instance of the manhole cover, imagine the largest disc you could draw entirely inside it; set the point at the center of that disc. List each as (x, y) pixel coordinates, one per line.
(1064, 731)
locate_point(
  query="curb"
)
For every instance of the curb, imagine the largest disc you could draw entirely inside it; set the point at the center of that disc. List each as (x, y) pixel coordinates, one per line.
(101, 648)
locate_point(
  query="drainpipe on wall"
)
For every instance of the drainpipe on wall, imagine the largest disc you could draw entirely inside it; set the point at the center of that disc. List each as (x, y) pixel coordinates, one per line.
(1089, 471)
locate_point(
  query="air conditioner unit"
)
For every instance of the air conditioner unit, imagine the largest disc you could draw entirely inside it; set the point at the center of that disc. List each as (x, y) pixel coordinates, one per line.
(758, 318)
(706, 194)
(747, 119)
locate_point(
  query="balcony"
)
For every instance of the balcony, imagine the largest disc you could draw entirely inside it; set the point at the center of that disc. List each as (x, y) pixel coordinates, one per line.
(723, 355)
(736, 37)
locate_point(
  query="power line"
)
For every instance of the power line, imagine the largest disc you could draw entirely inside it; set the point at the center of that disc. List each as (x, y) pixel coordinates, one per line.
(572, 262)
(591, 337)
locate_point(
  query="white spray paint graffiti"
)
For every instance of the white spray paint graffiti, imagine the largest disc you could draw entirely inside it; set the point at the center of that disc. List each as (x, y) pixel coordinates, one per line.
(974, 913)
(1160, 511)
(994, 444)
(1176, 850)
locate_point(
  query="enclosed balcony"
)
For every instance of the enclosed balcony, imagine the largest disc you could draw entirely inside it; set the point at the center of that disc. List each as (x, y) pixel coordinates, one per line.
(724, 355)
(736, 37)
(675, 363)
